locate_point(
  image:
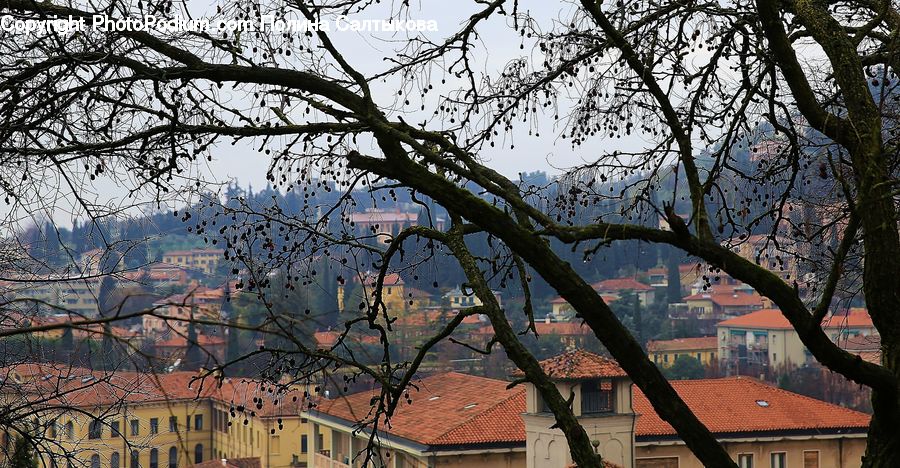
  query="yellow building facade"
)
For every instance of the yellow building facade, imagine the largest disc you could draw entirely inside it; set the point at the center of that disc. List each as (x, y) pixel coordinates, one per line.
(665, 352)
(132, 420)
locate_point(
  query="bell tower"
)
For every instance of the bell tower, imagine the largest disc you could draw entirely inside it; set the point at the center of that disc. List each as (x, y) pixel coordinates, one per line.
(602, 404)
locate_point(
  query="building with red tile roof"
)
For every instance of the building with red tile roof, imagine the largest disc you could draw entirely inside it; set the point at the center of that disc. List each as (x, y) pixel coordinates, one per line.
(579, 364)
(739, 406)
(617, 287)
(467, 415)
(450, 417)
(764, 339)
(720, 301)
(93, 413)
(665, 352)
(202, 260)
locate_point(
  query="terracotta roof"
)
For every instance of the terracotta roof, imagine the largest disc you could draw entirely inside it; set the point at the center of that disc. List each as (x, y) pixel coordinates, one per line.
(726, 406)
(80, 388)
(682, 344)
(562, 328)
(621, 284)
(181, 342)
(740, 405)
(580, 364)
(727, 295)
(390, 279)
(774, 319)
(450, 409)
(854, 317)
(327, 339)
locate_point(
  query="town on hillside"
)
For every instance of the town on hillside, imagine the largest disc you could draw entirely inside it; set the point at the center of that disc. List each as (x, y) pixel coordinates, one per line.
(183, 357)
(450, 234)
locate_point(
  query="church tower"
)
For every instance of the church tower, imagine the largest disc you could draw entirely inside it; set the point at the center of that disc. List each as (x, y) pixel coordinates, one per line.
(602, 404)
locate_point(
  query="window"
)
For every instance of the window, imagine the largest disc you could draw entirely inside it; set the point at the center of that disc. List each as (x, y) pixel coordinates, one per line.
(198, 454)
(304, 443)
(70, 430)
(136, 427)
(114, 429)
(810, 459)
(276, 444)
(188, 425)
(154, 425)
(52, 430)
(154, 458)
(173, 457)
(95, 429)
(173, 423)
(665, 358)
(777, 460)
(135, 459)
(95, 461)
(198, 422)
(114, 460)
(745, 460)
(596, 396)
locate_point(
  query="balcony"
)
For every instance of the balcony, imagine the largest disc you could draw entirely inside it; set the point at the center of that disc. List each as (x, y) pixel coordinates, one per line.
(323, 460)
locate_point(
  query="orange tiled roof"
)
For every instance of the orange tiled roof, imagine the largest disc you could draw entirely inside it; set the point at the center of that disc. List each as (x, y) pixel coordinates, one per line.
(681, 344)
(580, 364)
(390, 279)
(562, 328)
(726, 406)
(740, 405)
(774, 319)
(79, 387)
(450, 409)
(181, 342)
(621, 284)
(727, 295)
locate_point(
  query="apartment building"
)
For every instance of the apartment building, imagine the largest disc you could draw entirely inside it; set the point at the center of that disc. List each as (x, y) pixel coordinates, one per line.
(753, 343)
(203, 260)
(665, 352)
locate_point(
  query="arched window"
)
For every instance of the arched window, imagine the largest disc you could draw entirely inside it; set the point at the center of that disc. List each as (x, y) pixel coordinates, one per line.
(135, 459)
(198, 454)
(154, 458)
(114, 460)
(95, 461)
(173, 457)
(70, 430)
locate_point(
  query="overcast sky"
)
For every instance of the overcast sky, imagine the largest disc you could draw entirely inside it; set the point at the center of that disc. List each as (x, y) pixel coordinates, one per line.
(498, 44)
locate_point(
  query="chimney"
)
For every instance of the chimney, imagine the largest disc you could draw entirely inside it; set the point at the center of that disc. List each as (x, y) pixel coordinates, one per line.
(547, 319)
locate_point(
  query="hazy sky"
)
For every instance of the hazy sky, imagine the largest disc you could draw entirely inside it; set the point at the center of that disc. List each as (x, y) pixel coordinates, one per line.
(498, 44)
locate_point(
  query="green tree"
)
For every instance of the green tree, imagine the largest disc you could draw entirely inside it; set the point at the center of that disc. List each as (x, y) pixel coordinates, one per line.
(23, 455)
(685, 368)
(673, 276)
